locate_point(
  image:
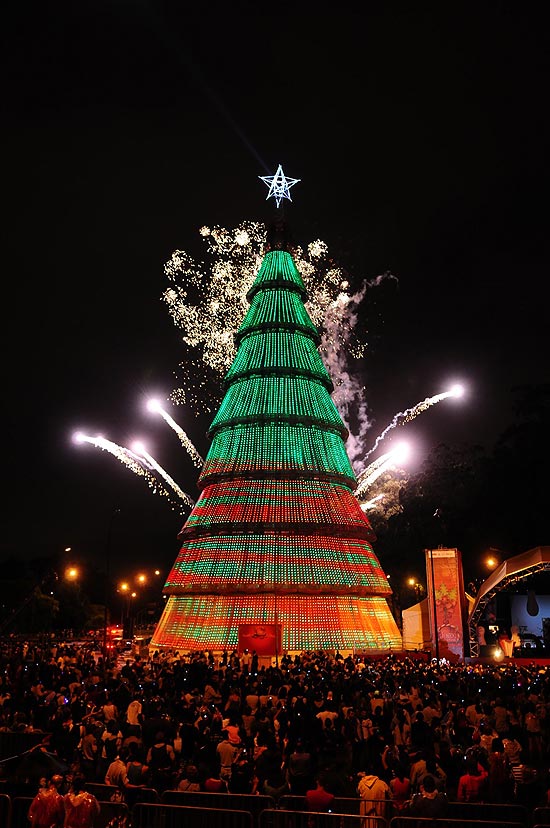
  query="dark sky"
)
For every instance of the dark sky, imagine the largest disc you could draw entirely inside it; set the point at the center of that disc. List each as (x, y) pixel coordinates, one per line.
(420, 135)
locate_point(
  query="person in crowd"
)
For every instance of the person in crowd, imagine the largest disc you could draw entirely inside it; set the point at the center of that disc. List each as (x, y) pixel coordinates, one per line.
(472, 785)
(47, 809)
(65, 737)
(89, 751)
(421, 733)
(300, 769)
(161, 761)
(533, 730)
(136, 769)
(512, 747)
(430, 767)
(499, 787)
(474, 713)
(117, 774)
(501, 717)
(318, 798)
(214, 783)
(486, 735)
(81, 807)
(134, 713)
(242, 774)
(226, 754)
(269, 761)
(111, 743)
(274, 785)
(190, 779)
(401, 788)
(375, 794)
(429, 803)
(401, 728)
(109, 709)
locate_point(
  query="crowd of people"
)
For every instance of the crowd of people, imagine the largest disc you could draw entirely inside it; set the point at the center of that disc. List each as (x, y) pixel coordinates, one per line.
(316, 725)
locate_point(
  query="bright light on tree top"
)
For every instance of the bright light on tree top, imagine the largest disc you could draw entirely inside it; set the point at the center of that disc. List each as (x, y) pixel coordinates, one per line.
(279, 185)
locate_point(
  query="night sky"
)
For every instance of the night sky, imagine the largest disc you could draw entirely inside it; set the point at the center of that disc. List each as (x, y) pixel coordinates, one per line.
(420, 135)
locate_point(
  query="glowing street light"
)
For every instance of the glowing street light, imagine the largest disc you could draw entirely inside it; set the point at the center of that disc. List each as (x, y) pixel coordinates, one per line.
(494, 556)
(416, 586)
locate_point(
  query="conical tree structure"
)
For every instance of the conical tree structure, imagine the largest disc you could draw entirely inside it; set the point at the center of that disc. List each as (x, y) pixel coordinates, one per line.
(277, 536)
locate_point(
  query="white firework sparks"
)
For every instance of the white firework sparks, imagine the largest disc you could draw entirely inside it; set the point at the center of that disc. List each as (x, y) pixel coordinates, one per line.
(140, 467)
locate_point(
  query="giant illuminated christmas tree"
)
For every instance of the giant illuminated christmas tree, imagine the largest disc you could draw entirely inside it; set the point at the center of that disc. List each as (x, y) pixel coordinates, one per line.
(277, 540)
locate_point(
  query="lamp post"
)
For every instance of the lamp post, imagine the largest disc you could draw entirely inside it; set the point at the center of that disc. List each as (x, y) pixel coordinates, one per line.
(123, 589)
(114, 513)
(417, 587)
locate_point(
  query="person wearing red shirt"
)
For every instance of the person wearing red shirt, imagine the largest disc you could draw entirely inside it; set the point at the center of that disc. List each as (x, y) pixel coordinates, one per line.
(318, 798)
(47, 810)
(81, 807)
(472, 784)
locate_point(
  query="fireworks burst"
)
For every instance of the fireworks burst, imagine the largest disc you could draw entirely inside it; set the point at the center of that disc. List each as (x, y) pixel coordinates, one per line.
(208, 303)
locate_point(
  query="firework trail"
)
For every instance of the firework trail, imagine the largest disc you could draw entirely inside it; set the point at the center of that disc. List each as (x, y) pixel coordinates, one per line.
(370, 504)
(131, 461)
(141, 451)
(198, 461)
(373, 467)
(409, 414)
(379, 466)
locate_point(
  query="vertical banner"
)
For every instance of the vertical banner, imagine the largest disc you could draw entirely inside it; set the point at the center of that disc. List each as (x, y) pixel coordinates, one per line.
(264, 639)
(446, 600)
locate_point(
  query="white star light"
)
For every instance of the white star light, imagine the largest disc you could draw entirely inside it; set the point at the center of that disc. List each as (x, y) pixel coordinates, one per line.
(279, 185)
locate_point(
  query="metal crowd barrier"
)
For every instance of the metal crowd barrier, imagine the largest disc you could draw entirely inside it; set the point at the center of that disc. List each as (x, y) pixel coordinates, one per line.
(341, 804)
(491, 811)
(251, 803)
(540, 816)
(131, 796)
(314, 819)
(5, 809)
(148, 815)
(445, 822)
(100, 790)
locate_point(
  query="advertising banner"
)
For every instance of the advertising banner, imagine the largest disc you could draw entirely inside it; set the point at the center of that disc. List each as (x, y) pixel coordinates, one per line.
(446, 591)
(264, 639)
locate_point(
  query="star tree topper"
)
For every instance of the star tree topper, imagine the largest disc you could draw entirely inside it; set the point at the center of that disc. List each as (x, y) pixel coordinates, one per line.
(279, 185)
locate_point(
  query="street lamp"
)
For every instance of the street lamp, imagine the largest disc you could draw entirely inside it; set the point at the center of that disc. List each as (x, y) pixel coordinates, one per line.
(123, 589)
(416, 586)
(108, 541)
(130, 616)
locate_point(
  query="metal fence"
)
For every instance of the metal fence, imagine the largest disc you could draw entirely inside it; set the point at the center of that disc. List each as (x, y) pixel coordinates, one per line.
(445, 822)
(251, 803)
(148, 815)
(312, 819)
